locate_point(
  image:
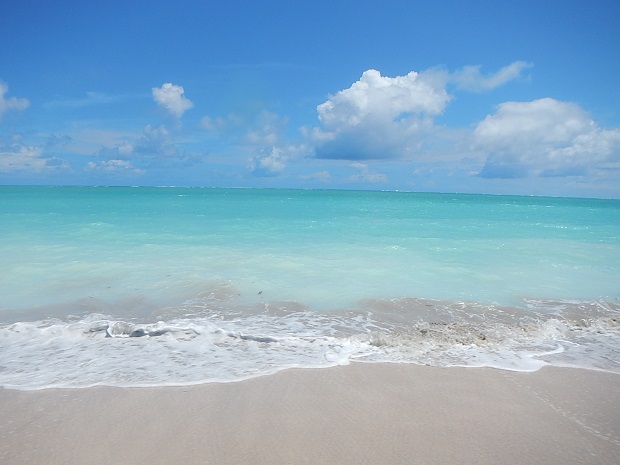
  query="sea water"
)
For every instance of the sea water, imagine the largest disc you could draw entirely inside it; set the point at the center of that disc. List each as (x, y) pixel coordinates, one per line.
(176, 286)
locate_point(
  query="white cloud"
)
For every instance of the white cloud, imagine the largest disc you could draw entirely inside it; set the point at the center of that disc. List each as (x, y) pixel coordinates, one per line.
(14, 158)
(272, 161)
(171, 97)
(155, 142)
(11, 103)
(380, 117)
(258, 134)
(544, 137)
(112, 166)
(470, 78)
(17, 156)
(384, 98)
(269, 163)
(544, 121)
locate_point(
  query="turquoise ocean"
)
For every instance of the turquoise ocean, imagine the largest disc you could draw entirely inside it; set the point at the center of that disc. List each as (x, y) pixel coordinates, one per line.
(142, 286)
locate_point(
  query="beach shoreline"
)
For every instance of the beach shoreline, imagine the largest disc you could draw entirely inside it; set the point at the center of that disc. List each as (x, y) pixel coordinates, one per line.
(360, 413)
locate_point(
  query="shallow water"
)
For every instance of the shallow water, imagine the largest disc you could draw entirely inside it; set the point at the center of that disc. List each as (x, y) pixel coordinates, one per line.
(160, 286)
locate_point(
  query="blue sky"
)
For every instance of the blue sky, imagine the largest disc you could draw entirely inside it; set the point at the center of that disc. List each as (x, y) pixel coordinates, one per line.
(516, 97)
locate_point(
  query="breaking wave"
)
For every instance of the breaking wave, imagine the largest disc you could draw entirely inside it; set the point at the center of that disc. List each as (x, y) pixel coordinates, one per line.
(198, 344)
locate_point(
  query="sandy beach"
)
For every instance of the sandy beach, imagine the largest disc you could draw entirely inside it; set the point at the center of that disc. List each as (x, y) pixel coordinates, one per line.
(357, 414)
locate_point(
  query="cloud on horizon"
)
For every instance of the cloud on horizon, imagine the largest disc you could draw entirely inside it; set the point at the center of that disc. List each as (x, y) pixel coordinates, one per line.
(377, 119)
(16, 156)
(155, 142)
(383, 118)
(544, 137)
(112, 166)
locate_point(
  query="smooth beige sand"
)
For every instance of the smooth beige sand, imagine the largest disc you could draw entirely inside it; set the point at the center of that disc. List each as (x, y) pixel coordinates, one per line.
(359, 414)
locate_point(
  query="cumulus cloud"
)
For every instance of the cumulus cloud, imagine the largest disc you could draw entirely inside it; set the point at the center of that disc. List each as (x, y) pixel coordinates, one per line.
(12, 103)
(273, 160)
(544, 137)
(380, 97)
(269, 162)
(171, 97)
(378, 116)
(470, 78)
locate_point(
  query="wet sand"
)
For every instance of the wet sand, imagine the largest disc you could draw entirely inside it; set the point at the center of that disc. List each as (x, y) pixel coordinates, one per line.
(359, 414)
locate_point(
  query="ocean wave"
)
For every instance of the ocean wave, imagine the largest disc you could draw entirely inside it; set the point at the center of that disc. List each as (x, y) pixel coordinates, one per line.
(213, 345)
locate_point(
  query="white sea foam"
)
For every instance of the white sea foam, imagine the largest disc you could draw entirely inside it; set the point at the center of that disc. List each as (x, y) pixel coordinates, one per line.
(220, 346)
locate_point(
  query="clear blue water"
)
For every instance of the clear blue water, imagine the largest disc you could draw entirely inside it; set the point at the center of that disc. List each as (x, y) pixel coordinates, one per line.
(225, 284)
